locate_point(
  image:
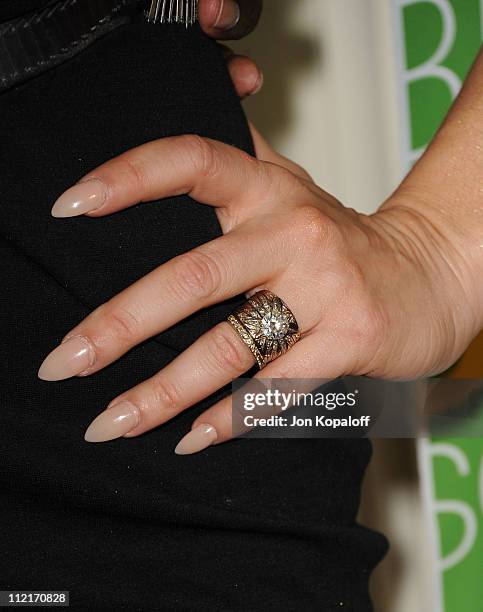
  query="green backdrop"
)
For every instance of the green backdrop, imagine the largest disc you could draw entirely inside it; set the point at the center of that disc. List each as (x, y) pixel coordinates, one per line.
(439, 40)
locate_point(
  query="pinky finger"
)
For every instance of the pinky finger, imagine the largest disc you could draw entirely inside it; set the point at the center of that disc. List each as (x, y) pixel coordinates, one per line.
(215, 425)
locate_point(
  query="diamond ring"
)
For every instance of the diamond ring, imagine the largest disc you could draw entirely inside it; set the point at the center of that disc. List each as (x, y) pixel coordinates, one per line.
(266, 325)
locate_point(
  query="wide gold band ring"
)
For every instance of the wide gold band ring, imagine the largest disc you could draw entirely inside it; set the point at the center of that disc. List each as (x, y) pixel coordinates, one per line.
(266, 325)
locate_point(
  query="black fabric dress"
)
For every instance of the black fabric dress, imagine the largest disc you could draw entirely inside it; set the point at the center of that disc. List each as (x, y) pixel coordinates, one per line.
(129, 525)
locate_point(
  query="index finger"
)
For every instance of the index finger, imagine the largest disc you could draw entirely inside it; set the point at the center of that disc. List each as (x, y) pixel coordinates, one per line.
(211, 172)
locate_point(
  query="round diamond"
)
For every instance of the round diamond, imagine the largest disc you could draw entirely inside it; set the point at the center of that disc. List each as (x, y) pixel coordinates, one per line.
(274, 326)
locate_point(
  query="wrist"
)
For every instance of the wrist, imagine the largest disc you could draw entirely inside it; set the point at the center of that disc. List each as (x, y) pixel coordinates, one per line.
(450, 257)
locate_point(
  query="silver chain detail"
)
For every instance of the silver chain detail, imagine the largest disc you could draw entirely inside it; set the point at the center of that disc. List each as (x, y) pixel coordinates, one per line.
(173, 11)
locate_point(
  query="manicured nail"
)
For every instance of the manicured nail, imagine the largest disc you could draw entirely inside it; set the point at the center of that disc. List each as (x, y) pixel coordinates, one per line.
(258, 85)
(113, 423)
(228, 16)
(80, 199)
(196, 440)
(70, 358)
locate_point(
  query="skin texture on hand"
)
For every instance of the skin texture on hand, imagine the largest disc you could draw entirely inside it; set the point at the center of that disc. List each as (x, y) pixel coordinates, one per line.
(396, 294)
(373, 295)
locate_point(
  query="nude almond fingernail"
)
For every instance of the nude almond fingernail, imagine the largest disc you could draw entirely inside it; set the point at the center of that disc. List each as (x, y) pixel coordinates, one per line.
(80, 199)
(197, 440)
(113, 423)
(69, 359)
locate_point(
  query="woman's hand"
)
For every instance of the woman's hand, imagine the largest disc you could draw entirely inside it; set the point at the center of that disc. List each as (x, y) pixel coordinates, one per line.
(373, 295)
(231, 20)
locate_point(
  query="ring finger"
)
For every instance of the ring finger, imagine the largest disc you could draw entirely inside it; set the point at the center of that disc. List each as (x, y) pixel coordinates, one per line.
(218, 270)
(211, 362)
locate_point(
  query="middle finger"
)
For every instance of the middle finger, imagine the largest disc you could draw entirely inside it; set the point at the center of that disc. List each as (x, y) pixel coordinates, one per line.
(229, 265)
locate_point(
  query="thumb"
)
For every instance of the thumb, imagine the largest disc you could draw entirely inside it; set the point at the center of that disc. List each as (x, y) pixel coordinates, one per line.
(264, 152)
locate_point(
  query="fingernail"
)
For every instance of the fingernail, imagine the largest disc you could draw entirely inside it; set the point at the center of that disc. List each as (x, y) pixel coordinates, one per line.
(70, 358)
(80, 199)
(196, 440)
(113, 423)
(258, 85)
(228, 16)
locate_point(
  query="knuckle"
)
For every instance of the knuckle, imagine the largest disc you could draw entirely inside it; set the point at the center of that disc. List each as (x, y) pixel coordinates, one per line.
(312, 225)
(227, 353)
(122, 323)
(135, 170)
(201, 154)
(165, 395)
(196, 275)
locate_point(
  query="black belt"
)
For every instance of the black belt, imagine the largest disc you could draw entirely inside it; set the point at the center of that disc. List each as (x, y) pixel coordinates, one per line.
(41, 40)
